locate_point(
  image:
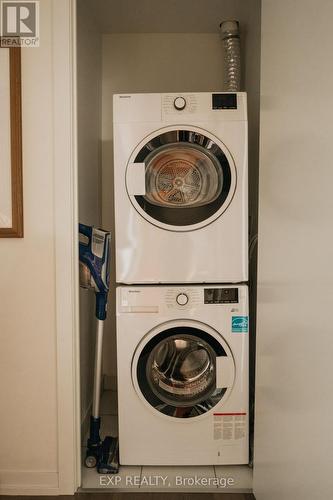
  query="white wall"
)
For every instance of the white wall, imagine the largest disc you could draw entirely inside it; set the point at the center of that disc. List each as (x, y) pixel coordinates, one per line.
(89, 69)
(294, 448)
(28, 419)
(33, 447)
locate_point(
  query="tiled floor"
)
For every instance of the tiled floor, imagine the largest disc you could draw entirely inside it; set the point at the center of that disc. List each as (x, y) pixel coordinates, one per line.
(210, 479)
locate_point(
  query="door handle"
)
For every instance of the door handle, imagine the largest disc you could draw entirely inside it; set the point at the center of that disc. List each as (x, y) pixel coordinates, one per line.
(225, 372)
(136, 179)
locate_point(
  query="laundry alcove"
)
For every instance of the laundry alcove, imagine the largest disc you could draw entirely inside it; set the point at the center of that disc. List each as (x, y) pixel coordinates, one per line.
(87, 51)
(138, 47)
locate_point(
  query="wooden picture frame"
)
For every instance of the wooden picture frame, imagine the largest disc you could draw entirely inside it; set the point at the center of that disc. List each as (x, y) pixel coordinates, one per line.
(11, 187)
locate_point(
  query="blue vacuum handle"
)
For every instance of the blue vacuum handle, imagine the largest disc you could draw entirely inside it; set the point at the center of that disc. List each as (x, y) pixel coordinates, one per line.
(94, 254)
(101, 305)
(85, 230)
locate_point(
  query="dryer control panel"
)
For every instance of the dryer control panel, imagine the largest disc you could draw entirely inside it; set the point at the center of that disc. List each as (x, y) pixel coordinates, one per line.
(182, 107)
(173, 103)
(203, 106)
(224, 101)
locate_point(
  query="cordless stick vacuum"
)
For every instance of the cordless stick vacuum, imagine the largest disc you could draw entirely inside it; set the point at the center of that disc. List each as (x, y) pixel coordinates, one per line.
(94, 254)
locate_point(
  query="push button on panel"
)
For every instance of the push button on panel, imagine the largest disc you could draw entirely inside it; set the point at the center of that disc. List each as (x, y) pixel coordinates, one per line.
(179, 103)
(182, 299)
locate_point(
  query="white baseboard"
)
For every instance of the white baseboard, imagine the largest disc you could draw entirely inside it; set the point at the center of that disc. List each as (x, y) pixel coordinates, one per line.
(29, 483)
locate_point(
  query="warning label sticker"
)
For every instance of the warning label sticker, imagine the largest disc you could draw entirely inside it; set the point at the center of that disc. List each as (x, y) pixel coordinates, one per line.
(229, 426)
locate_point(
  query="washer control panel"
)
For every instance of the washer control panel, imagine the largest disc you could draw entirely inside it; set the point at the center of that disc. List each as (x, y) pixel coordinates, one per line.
(183, 298)
(221, 295)
(177, 300)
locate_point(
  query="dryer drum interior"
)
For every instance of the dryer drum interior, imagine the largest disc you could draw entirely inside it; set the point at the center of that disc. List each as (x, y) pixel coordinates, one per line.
(188, 178)
(176, 372)
(181, 175)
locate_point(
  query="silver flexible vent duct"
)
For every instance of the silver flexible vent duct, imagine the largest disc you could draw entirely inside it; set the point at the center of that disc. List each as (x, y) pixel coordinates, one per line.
(231, 44)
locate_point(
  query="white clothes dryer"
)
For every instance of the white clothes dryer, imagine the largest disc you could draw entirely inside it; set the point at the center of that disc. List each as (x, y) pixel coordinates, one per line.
(181, 187)
(183, 375)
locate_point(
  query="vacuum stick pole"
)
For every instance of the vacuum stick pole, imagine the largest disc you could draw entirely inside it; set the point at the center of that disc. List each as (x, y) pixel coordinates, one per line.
(98, 368)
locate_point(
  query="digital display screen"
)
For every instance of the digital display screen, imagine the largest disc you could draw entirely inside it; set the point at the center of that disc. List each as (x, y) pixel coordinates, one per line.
(224, 101)
(221, 295)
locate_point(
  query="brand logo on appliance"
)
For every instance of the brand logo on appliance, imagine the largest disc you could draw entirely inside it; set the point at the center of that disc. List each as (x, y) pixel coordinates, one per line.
(240, 324)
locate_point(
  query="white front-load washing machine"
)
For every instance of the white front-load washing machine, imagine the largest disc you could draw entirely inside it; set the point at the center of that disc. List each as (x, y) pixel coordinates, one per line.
(183, 374)
(181, 188)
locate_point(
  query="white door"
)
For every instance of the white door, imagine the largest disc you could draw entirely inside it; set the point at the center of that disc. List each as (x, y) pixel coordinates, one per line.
(294, 403)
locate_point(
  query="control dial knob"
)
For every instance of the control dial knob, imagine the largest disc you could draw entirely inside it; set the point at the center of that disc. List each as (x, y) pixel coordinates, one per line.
(182, 299)
(179, 103)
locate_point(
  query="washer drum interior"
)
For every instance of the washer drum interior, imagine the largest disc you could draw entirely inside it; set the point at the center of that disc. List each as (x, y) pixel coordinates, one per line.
(181, 369)
(182, 176)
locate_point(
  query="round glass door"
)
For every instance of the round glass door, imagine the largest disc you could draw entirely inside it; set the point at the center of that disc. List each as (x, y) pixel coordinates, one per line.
(189, 181)
(176, 372)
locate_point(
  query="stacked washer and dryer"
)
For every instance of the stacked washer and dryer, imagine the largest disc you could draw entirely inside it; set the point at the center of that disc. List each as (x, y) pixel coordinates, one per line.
(181, 218)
